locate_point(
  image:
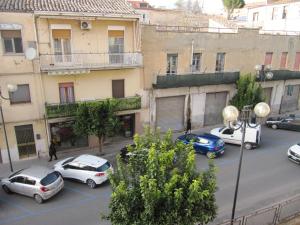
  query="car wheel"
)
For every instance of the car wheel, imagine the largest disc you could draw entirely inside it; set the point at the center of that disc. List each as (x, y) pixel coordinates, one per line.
(91, 183)
(211, 155)
(6, 189)
(248, 146)
(38, 199)
(274, 126)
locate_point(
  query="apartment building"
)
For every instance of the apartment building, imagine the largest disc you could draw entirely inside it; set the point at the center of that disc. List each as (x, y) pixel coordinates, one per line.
(85, 51)
(192, 72)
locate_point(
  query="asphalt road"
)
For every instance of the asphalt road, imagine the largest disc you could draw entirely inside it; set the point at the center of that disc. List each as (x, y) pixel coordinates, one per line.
(267, 177)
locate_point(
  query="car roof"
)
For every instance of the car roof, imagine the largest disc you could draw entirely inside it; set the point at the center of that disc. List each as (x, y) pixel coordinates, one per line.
(207, 136)
(38, 172)
(89, 160)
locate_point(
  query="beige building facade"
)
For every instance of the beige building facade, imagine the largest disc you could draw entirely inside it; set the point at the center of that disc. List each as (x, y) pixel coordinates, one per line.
(192, 74)
(59, 57)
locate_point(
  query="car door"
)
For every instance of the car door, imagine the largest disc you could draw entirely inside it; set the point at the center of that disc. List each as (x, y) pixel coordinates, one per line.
(227, 134)
(285, 124)
(17, 184)
(29, 186)
(70, 171)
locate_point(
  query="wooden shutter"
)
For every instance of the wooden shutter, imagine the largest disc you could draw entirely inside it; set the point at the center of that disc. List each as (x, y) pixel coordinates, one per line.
(118, 89)
(297, 61)
(283, 60)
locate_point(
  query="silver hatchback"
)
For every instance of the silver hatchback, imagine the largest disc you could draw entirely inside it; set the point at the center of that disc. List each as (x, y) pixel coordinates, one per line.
(38, 182)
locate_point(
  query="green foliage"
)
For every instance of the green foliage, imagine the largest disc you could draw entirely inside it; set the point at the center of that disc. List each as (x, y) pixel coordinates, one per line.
(161, 186)
(97, 118)
(230, 5)
(248, 92)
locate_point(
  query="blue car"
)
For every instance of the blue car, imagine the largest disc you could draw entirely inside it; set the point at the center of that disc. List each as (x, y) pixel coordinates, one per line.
(208, 144)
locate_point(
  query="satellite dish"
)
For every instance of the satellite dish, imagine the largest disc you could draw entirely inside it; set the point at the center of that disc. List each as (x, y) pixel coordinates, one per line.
(30, 53)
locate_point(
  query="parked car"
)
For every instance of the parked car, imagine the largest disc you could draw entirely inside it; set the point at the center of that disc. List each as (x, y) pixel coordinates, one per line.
(38, 182)
(294, 153)
(234, 136)
(208, 144)
(291, 122)
(88, 169)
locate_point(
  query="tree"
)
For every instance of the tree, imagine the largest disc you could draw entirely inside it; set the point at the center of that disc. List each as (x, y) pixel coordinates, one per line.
(248, 92)
(97, 118)
(179, 4)
(196, 7)
(230, 5)
(160, 185)
(189, 5)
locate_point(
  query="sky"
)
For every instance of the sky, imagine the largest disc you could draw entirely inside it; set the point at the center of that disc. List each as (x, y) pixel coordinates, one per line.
(164, 3)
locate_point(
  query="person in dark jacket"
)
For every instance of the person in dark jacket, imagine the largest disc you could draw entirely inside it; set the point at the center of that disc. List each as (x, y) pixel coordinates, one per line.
(52, 151)
(188, 126)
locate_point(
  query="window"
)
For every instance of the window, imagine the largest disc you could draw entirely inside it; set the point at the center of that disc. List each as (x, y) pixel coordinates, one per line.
(25, 141)
(116, 46)
(104, 167)
(284, 12)
(228, 131)
(220, 62)
(290, 89)
(268, 58)
(66, 93)
(274, 13)
(22, 95)
(62, 45)
(118, 89)
(196, 62)
(29, 181)
(12, 41)
(283, 60)
(172, 64)
(255, 16)
(297, 61)
(19, 179)
(143, 5)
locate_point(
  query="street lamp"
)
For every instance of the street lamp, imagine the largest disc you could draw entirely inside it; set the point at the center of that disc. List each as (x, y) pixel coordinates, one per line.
(264, 72)
(231, 114)
(11, 88)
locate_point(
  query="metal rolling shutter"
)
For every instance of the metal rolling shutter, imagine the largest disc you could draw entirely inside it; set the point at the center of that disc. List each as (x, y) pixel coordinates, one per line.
(170, 113)
(290, 100)
(214, 105)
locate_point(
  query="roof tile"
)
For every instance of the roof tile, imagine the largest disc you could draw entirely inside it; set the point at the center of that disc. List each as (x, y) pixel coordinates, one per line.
(86, 6)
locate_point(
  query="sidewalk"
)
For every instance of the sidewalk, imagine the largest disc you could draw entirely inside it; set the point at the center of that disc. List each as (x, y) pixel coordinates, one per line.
(110, 150)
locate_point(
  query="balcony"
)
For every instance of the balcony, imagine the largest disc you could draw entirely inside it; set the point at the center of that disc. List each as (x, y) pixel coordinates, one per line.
(196, 80)
(89, 61)
(69, 110)
(284, 75)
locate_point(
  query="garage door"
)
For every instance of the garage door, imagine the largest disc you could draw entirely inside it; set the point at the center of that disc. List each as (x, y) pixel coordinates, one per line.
(214, 105)
(290, 99)
(170, 113)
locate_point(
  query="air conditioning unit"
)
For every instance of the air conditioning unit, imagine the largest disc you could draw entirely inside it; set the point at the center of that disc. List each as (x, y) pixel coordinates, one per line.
(85, 25)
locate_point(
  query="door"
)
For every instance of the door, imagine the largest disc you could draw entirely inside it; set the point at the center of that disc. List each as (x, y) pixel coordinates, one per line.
(25, 141)
(170, 113)
(17, 184)
(268, 95)
(29, 187)
(290, 99)
(214, 105)
(70, 171)
(227, 135)
(62, 46)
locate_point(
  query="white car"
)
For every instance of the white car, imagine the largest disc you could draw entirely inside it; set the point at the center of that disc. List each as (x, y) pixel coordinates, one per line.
(232, 136)
(294, 153)
(88, 169)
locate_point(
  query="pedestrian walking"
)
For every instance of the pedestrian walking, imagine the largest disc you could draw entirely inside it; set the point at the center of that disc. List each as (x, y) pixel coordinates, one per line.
(188, 126)
(52, 151)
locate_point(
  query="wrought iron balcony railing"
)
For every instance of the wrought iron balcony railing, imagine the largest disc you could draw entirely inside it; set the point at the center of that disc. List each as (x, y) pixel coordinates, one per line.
(91, 61)
(69, 109)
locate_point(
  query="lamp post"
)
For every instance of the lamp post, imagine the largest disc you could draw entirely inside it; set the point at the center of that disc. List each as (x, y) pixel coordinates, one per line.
(263, 72)
(11, 88)
(231, 114)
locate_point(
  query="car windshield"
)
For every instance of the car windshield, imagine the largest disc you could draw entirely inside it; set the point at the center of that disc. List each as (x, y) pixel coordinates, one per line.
(69, 160)
(104, 167)
(16, 173)
(50, 178)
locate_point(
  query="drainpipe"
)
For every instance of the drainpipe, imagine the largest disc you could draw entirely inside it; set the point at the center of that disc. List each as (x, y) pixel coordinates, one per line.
(36, 32)
(192, 54)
